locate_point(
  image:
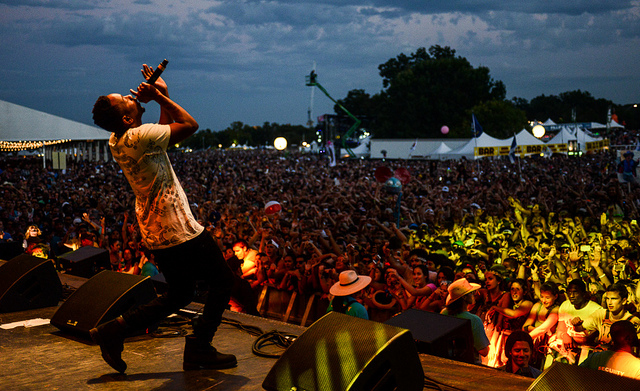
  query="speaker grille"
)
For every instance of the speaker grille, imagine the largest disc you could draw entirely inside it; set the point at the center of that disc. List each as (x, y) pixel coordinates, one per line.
(101, 299)
(567, 377)
(28, 282)
(340, 352)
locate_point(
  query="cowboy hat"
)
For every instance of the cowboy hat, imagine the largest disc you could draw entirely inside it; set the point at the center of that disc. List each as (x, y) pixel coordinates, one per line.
(459, 288)
(349, 282)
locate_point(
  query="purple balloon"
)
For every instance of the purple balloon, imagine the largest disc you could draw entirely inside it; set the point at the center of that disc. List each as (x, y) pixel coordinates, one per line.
(444, 129)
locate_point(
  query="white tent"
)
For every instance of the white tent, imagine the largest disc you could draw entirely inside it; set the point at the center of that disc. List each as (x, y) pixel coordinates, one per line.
(584, 137)
(19, 123)
(563, 136)
(485, 142)
(362, 150)
(526, 138)
(549, 122)
(597, 125)
(528, 144)
(440, 152)
(615, 124)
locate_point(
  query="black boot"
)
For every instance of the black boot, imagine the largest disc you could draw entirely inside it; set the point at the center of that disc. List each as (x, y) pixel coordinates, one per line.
(199, 354)
(110, 337)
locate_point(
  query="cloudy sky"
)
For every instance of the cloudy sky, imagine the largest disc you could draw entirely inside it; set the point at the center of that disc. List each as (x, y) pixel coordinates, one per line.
(246, 60)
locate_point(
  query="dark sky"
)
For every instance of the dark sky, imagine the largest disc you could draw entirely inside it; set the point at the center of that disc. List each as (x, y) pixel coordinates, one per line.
(246, 60)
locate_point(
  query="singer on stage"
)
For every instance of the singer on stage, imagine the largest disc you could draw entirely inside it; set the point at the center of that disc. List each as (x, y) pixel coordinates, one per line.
(180, 245)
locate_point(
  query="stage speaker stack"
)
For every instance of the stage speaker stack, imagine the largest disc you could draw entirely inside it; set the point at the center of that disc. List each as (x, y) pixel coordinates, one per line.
(85, 261)
(102, 298)
(9, 250)
(28, 282)
(438, 335)
(567, 377)
(341, 352)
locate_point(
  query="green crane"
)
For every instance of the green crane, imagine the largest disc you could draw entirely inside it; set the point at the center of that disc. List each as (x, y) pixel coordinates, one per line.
(312, 81)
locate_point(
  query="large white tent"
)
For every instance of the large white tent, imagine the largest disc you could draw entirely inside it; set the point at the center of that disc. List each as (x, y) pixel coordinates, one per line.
(487, 147)
(24, 130)
(526, 138)
(563, 136)
(440, 153)
(19, 123)
(528, 144)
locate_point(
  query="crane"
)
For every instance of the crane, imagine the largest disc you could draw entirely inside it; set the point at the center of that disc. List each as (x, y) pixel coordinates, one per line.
(312, 81)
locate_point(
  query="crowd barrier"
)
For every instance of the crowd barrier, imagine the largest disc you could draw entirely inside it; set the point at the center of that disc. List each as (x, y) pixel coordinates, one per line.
(291, 306)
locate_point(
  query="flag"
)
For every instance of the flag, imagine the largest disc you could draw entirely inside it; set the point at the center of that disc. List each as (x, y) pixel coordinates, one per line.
(476, 129)
(413, 147)
(332, 154)
(512, 151)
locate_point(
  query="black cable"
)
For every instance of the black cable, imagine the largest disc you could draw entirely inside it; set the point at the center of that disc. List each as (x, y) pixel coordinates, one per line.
(253, 330)
(274, 337)
(169, 332)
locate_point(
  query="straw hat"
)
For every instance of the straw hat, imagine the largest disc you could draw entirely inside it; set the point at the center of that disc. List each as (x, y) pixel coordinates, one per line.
(349, 282)
(459, 288)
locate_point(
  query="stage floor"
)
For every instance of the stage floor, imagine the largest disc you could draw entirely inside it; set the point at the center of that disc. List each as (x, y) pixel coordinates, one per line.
(43, 357)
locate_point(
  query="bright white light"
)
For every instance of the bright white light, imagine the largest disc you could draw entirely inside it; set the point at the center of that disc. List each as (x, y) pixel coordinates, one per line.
(538, 131)
(280, 143)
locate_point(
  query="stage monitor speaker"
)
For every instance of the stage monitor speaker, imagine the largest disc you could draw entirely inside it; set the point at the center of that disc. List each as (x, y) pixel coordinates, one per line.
(9, 250)
(102, 298)
(567, 377)
(160, 283)
(438, 335)
(28, 282)
(85, 261)
(341, 352)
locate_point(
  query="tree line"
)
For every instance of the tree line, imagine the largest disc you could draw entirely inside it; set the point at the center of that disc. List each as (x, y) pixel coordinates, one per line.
(429, 89)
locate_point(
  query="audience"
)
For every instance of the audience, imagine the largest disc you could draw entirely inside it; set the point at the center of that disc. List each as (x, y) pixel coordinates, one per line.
(543, 238)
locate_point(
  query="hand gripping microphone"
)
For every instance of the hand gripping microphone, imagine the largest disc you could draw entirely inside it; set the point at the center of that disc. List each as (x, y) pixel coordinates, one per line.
(157, 72)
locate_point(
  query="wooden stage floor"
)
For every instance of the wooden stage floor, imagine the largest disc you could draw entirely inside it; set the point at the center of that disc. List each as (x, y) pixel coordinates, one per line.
(43, 357)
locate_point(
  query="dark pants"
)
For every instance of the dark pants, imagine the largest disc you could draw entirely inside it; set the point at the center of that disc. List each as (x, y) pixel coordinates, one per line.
(244, 295)
(199, 259)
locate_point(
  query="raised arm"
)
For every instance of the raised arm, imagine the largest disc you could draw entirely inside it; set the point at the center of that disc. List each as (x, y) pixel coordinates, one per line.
(183, 125)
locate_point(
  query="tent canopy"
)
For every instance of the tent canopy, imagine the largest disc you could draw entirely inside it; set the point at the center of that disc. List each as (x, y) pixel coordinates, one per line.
(20, 123)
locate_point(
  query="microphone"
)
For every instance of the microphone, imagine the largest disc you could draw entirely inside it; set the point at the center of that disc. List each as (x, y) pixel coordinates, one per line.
(158, 71)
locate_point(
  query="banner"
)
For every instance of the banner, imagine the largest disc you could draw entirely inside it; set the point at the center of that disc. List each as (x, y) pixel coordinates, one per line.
(593, 146)
(521, 150)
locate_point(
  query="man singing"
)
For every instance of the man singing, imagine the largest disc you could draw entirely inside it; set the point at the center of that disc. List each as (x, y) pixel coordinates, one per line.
(182, 248)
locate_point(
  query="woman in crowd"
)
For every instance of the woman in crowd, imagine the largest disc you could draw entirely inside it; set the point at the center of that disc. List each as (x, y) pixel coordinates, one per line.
(493, 295)
(513, 316)
(415, 295)
(542, 320)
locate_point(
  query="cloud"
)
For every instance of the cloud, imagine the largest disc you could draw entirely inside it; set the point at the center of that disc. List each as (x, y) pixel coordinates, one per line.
(254, 54)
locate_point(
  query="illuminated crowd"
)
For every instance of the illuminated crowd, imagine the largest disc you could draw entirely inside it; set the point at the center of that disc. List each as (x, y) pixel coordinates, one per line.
(527, 232)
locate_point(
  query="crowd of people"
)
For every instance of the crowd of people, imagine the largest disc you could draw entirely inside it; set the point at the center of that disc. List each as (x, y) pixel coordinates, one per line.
(549, 245)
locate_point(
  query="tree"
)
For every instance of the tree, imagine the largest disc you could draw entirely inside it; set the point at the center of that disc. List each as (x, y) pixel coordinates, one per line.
(427, 90)
(499, 118)
(560, 108)
(361, 105)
